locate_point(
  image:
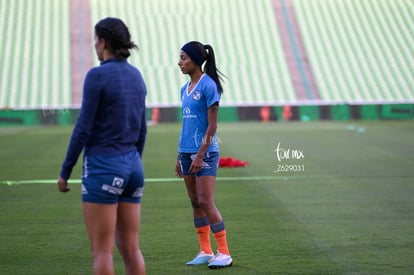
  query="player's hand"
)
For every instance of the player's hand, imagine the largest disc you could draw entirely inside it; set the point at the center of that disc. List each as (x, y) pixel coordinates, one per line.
(196, 165)
(63, 185)
(178, 171)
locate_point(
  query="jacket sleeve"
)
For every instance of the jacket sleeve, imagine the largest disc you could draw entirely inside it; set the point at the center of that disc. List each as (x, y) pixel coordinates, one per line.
(143, 134)
(84, 124)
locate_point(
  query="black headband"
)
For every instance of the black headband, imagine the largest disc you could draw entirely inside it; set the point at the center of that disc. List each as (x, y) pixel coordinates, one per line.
(191, 50)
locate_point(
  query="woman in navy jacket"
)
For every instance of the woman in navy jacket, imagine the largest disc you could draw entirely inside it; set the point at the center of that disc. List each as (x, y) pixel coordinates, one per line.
(111, 130)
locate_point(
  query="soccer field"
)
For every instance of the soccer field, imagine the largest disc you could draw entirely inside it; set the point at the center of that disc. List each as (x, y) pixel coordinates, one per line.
(316, 198)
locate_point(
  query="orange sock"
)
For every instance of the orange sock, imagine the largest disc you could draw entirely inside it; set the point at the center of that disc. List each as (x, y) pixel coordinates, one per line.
(203, 233)
(221, 241)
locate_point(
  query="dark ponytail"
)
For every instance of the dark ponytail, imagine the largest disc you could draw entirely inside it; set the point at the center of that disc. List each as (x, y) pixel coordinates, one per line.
(117, 34)
(210, 68)
(200, 53)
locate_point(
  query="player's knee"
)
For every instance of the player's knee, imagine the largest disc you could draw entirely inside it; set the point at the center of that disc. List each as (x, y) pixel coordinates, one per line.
(195, 203)
(128, 251)
(206, 205)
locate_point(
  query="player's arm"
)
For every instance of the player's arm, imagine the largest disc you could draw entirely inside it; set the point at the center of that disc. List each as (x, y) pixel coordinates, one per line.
(212, 117)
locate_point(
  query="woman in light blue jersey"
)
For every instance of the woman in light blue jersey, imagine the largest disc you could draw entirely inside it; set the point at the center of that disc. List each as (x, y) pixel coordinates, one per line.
(198, 149)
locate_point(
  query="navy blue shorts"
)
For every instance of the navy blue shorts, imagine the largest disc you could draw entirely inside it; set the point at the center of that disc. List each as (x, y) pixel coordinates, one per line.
(113, 179)
(210, 163)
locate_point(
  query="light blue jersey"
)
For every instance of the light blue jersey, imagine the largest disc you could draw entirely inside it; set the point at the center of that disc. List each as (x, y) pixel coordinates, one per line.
(194, 115)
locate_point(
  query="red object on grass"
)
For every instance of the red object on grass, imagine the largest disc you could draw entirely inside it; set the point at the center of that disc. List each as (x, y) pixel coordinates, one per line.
(232, 162)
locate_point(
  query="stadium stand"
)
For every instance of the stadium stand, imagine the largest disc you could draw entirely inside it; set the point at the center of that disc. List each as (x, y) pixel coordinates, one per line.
(357, 56)
(35, 54)
(242, 32)
(360, 51)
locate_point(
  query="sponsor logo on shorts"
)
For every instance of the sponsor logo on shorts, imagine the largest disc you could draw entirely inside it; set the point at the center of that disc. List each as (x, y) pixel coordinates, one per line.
(84, 191)
(112, 189)
(85, 168)
(138, 193)
(116, 187)
(205, 165)
(118, 182)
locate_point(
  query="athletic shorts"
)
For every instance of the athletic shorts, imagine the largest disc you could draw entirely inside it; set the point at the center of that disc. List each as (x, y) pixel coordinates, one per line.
(113, 179)
(210, 163)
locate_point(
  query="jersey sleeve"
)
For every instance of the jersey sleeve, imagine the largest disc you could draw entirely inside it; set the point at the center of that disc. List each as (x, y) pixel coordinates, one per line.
(212, 95)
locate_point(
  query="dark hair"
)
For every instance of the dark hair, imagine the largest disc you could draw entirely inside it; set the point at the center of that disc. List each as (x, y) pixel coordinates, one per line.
(116, 33)
(200, 53)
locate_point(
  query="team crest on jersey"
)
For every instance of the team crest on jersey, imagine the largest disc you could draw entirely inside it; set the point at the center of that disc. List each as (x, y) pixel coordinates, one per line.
(196, 95)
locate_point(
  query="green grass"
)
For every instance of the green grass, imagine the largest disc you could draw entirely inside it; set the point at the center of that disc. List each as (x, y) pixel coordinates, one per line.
(350, 212)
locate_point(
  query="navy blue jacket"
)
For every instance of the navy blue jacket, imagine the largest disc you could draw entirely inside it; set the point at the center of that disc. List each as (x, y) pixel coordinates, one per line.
(112, 119)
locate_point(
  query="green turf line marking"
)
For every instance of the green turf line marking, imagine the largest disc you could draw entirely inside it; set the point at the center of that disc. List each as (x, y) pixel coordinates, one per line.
(252, 178)
(49, 181)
